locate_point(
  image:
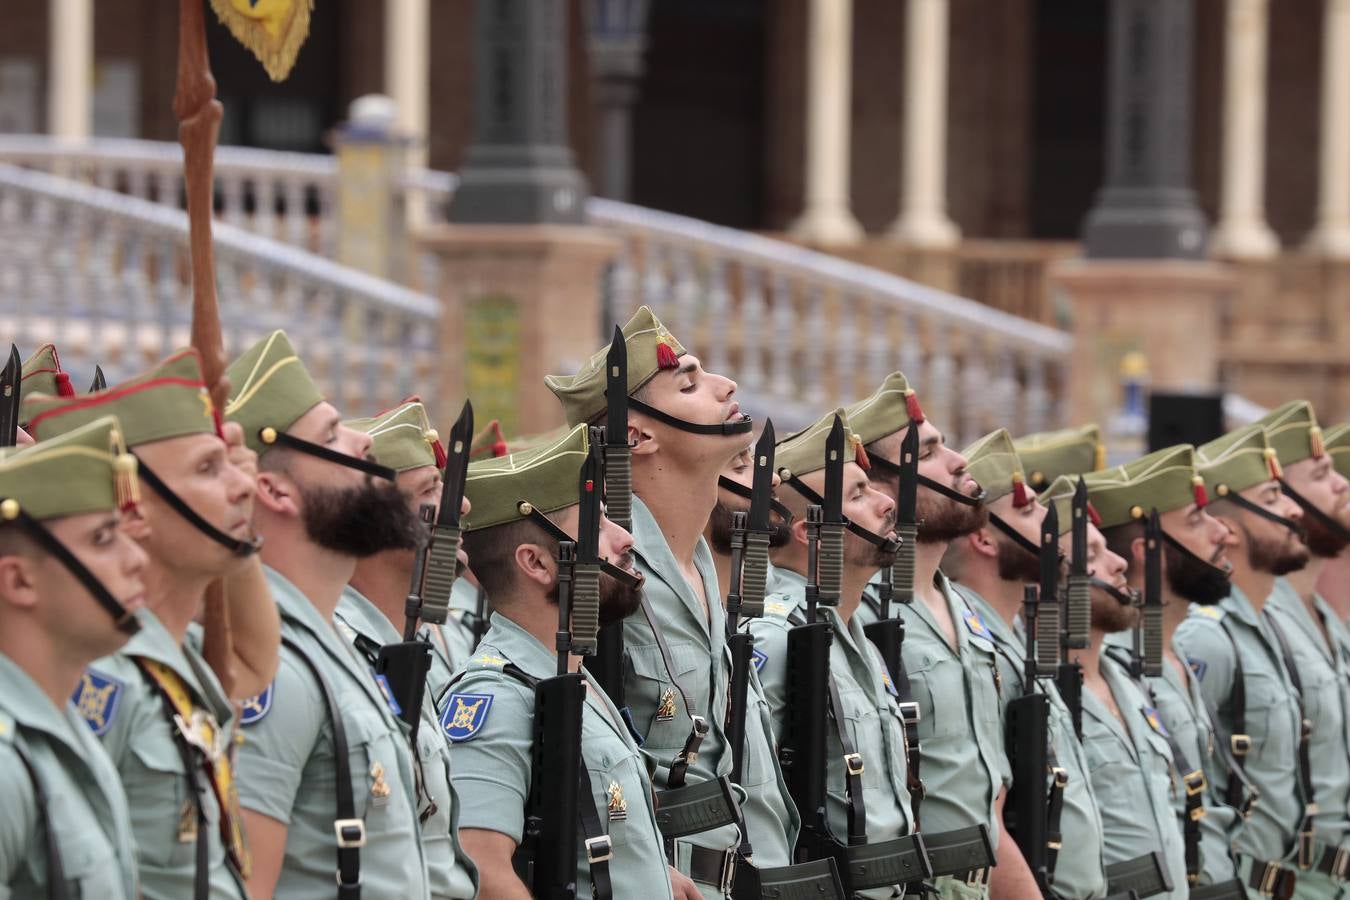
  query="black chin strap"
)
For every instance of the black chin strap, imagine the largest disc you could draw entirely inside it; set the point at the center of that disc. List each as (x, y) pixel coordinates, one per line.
(235, 546)
(323, 453)
(1014, 536)
(1311, 511)
(1259, 510)
(125, 620)
(743, 426)
(892, 468)
(890, 545)
(1128, 597)
(624, 577)
(745, 493)
(1186, 551)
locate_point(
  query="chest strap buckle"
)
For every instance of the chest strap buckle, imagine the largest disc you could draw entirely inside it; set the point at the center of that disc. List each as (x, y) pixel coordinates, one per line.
(351, 833)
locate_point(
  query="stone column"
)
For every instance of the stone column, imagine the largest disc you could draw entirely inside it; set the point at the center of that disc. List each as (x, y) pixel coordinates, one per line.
(923, 220)
(70, 69)
(829, 86)
(519, 167)
(1331, 236)
(407, 78)
(1147, 209)
(617, 40)
(1242, 232)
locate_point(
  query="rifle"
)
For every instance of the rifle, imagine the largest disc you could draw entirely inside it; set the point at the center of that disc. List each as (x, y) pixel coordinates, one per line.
(9, 398)
(887, 634)
(546, 859)
(405, 665)
(606, 665)
(1150, 621)
(1078, 606)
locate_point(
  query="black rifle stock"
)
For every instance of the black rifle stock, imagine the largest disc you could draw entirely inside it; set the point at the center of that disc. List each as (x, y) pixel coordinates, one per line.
(1025, 811)
(741, 645)
(405, 665)
(887, 634)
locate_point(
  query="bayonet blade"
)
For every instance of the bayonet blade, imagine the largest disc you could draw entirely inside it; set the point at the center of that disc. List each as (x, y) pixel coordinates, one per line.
(1078, 608)
(443, 553)
(588, 518)
(100, 383)
(830, 560)
(755, 559)
(833, 507)
(585, 612)
(1048, 612)
(907, 498)
(617, 453)
(1078, 564)
(456, 467)
(9, 398)
(761, 492)
(1152, 612)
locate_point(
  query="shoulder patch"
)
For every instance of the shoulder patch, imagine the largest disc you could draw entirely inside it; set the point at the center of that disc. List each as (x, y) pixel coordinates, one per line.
(758, 658)
(487, 661)
(96, 699)
(975, 625)
(1210, 612)
(1155, 721)
(255, 708)
(464, 715)
(1198, 666)
(890, 685)
(388, 693)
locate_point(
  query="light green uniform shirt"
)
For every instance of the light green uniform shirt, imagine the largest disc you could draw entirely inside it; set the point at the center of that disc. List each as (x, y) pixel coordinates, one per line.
(450, 872)
(86, 808)
(1325, 678)
(1131, 766)
(698, 649)
(1181, 707)
(1271, 716)
(493, 761)
(771, 819)
(962, 760)
(869, 713)
(286, 763)
(1079, 872)
(453, 642)
(142, 743)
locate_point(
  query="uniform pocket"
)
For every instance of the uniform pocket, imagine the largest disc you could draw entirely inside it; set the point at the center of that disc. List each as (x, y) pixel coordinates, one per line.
(155, 779)
(664, 722)
(932, 681)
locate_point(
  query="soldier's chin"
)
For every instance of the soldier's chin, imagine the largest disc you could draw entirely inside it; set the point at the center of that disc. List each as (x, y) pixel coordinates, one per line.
(618, 601)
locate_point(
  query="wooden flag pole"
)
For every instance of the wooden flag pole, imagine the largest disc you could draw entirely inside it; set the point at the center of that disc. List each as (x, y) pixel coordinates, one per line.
(199, 114)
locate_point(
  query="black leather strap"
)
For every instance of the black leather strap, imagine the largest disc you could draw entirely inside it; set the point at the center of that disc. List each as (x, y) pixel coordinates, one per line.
(1304, 850)
(596, 838)
(812, 497)
(679, 767)
(1311, 511)
(1013, 535)
(1239, 741)
(321, 452)
(1257, 509)
(125, 620)
(746, 493)
(853, 770)
(56, 872)
(190, 515)
(349, 831)
(744, 425)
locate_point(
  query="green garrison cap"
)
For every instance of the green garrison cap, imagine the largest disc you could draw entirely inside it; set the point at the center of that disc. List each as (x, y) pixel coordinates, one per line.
(402, 438)
(42, 374)
(168, 401)
(544, 478)
(1293, 431)
(1049, 454)
(272, 389)
(994, 464)
(804, 452)
(1060, 492)
(890, 409)
(1164, 480)
(1237, 461)
(82, 471)
(651, 348)
(1338, 445)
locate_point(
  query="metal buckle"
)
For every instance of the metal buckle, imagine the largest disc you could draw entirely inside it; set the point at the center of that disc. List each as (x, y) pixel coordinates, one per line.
(1305, 850)
(1340, 863)
(1195, 782)
(1272, 879)
(350, 833)
(976, 878)
(853, 762)
(599, 849)
(728, 872)
(699, 726)
(1061, 777)
(1241, 744)
(909, 712)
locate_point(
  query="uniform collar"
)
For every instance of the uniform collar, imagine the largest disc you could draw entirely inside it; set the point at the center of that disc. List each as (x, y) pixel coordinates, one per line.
(31, 708)
(154, 642)
(365, 617)
(1239, 607)
(649, 544)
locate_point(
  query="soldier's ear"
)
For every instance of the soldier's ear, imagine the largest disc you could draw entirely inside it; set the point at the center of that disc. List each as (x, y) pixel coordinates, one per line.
(276, 493)
(535, 564)
(18, 581)
(1137, 554)
(982, 542)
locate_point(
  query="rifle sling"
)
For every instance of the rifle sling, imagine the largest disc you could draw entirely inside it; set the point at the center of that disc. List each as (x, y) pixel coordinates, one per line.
(679, 768)
(191, 516)
(853, 770)
(350, 831)
(56, 871)
(1305, 831)
(1239, 741)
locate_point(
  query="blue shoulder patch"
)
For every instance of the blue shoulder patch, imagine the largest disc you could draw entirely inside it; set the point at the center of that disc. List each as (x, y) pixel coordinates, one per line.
(388, 693)
(464, 715)
(758, 658)
(254, 708)
(975, 625)
(1155, 721)
(1198, 666)
(96, 699)
(890, 685)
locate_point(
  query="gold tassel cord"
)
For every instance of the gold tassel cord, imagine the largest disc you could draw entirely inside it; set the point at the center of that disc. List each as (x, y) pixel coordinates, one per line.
(273, 30)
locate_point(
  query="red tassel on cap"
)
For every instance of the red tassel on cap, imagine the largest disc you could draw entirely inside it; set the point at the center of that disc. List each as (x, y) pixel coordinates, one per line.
(665, 356)
(499, 444)
(860, 454)
(1273, 463)
(1315, 442)
(63, 386)
(1020, 498)
(1095, 516)
(439, 450)
(1201, 495)
(912, 407)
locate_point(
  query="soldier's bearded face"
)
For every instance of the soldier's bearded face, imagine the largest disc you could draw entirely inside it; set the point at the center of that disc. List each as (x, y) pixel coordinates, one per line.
(1016, 564)
(942, 521)
(360, 520)
(1329, 492)
(1194, 579)
(1274, 549)
(1110, 615)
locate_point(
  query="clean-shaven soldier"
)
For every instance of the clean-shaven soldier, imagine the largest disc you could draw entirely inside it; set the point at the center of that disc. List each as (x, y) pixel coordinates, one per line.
(371, 612)
(771, 818)
(70, 583)
(867, 723)
(1334, 583)
(326, 775)
(1124, 741)
(990, 568)
(1194, 569)
(1236, 656)
(684, 426)
(491, 704)
(171, 731)
(1314, 641)
(948, 650)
